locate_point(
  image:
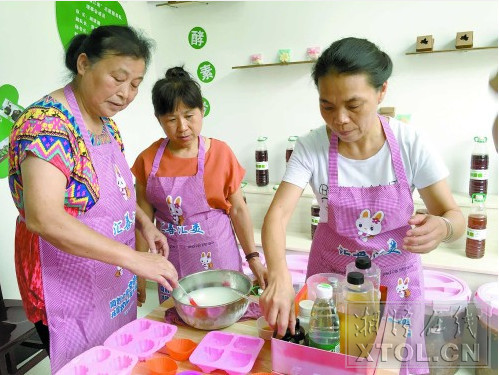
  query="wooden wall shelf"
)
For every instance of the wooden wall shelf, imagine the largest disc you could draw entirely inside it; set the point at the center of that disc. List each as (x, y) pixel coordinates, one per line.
(275, 64)
(451, 50)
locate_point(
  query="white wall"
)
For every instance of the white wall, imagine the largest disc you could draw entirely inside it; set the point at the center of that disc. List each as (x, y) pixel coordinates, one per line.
(446, 93)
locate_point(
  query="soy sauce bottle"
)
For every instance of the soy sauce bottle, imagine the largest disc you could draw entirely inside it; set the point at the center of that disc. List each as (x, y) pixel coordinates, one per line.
(476, 233)
(479, 168)
(262, 162)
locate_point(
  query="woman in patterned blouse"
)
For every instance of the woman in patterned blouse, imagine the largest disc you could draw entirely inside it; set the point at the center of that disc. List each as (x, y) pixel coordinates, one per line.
(74, 247)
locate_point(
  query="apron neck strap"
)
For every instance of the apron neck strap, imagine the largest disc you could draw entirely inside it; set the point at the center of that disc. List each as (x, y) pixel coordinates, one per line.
(161, 150)
(398, 165)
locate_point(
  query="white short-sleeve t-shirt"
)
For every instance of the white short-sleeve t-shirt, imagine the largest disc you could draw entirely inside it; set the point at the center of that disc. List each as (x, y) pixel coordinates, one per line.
(310, 160)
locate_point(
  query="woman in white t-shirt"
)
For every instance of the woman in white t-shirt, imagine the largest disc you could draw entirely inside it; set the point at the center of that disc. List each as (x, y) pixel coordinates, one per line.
(362, 168)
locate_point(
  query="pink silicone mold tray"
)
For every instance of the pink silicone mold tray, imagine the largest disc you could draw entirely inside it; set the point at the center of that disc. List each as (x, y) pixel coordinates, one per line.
(100, 360)
(142, 337)
(226, 351)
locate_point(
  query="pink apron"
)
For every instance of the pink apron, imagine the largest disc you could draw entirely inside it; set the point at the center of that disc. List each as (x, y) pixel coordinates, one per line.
(87, 300)
(372, 221)
(200, 238)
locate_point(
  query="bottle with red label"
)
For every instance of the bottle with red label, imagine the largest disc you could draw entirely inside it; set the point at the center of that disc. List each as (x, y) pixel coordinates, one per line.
(476, 232)
(479, 168)
(262, 162)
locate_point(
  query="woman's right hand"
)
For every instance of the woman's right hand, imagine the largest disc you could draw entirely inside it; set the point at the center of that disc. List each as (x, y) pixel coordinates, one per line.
(277, 303)
(155, 267)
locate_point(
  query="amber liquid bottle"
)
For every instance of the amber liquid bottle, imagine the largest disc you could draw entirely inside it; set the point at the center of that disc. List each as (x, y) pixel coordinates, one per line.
(262, 162)
(479, 167)
(476, 232)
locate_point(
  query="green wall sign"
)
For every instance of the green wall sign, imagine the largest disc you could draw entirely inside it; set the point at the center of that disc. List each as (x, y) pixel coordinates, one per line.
(81, 17)
(206, 72)
(197, 37)
(207, 107)
(10, 111)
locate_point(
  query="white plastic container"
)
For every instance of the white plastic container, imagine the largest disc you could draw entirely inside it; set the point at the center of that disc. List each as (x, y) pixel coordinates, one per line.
(305, 309)
(446, 302)
(486, 300)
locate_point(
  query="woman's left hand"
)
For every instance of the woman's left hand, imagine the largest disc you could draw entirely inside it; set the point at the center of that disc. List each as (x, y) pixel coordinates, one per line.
(259, 271)
(427, 233)
(155, 239)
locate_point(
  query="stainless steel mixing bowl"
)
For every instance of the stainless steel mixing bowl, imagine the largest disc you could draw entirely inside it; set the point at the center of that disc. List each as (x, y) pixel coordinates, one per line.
(213, 317)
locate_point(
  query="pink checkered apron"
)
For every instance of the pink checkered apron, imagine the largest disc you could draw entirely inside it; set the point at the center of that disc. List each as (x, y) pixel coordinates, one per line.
(200, 238)
(87, 300)
(372, 221)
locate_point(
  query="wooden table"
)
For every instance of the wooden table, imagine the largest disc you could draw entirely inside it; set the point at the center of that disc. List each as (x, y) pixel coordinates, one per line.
(262, 364)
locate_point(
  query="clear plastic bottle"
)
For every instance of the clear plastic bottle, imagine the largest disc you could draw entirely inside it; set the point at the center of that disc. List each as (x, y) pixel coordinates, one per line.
(291, 146)
(262, 162)
(359, 315)
(324, 329)
(479, 168)
(315, 216)
(476, 232)
(370, 270)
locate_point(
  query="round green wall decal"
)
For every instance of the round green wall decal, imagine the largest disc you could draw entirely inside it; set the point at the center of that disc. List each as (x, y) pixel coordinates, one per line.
(10, 111)
(81, 17)
(197, 37)
(207, 107)
(206, 71)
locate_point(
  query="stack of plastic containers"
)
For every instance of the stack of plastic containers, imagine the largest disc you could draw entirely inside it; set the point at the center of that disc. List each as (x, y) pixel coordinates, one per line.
(446, 303)
(486, 300)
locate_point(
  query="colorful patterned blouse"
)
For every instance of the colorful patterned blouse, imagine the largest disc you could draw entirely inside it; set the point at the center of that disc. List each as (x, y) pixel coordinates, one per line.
(47, 130)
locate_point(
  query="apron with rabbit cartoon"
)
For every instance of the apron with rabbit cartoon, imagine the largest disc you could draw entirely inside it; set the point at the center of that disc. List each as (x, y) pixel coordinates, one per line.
(372, 221)
(87, 300)
(200, 238)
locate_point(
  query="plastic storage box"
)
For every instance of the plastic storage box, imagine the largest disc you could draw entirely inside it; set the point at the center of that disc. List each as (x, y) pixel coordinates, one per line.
(486, 299)
(446, 304)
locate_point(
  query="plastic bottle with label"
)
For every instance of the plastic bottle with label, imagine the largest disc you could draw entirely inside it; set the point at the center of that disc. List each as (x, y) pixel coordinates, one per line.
(291, 146)
(359, 315)
(476, 232)
(479, 168)
(324, 329)
(370, 270)
(315, 216)
(262, 162)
